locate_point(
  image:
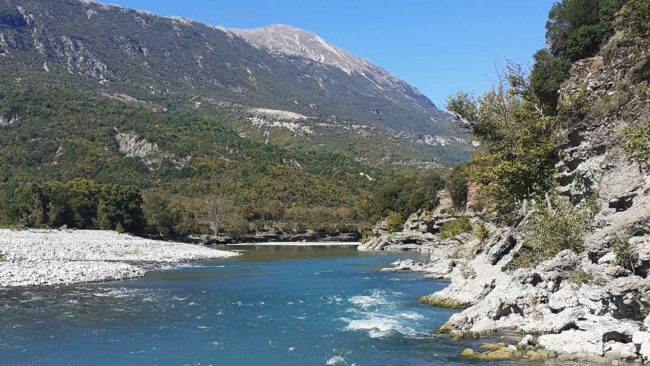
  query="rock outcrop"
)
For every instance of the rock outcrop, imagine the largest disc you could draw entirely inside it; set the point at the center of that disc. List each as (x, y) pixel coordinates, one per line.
(574, 306)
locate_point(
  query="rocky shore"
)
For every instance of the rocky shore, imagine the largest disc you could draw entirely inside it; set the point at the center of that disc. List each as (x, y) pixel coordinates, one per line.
(51, 257)
(279, 237)
(571, 307)
(589, 305)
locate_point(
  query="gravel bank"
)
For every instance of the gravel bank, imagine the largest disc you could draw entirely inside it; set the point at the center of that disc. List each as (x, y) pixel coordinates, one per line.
(49, 257)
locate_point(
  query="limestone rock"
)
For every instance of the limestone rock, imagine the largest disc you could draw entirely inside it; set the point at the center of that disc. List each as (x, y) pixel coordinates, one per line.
(573, 342)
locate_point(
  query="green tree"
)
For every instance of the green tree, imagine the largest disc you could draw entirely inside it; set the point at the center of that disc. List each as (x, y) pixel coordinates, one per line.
(546, 78)
(457, 185)
(158, 215)
(516, 153)
(120, 206)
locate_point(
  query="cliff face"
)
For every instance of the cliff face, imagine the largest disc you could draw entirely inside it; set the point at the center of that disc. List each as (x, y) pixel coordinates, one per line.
(575, 306)
(607, 93)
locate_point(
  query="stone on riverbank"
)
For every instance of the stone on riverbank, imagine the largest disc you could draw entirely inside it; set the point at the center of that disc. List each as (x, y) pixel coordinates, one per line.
(50, 257)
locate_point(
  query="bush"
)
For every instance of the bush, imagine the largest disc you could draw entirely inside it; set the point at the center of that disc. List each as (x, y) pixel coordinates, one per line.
(406, 195)
(625, 256)
(554, 226)
(394, 222)
(546, 78)
(634, 19)
(454, 228)
(636, 144)
(480, 231)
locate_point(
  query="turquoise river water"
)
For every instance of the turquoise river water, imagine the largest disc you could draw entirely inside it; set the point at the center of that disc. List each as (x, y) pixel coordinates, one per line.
(270, 306)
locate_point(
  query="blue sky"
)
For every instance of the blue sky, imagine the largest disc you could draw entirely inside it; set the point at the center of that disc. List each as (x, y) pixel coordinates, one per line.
(439, 46)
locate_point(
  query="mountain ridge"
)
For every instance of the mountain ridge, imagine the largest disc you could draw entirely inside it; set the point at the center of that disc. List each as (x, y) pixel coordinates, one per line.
(159, 59)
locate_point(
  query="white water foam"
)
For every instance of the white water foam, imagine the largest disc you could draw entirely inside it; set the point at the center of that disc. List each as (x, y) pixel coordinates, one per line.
(366, 301)
(335, 360)
(379, 316)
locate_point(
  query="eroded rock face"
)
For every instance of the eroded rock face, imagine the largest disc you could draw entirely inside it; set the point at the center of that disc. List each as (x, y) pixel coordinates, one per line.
(419, 233)
(133, 146)
(581, 306)
(591, 158)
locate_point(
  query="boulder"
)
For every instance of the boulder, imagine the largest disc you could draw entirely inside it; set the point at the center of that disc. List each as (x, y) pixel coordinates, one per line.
(620, 351)
(573, 342)
(528, 340)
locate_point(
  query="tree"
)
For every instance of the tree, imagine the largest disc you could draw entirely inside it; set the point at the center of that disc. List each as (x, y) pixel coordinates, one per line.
(576, 29)
(464, 105)
(158, 215)
(457, 186)
(546, 78)
(217, 208)
(516, 153)
(120, 206)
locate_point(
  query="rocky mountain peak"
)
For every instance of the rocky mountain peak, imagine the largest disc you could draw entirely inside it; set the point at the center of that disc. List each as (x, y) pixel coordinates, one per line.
(287, 40)
(291, 41)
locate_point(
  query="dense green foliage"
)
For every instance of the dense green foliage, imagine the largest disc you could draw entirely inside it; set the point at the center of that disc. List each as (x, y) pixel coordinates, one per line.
(456, 184)
(555, 225)
(456, 227)
(64, 135)
(79, 204)
(406, 195)
(516, 155)
(169, 219)
(394, 222)
(634, 20)
(576, 29)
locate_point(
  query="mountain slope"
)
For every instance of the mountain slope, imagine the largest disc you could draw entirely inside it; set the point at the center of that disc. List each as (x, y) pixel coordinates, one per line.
(181, 64)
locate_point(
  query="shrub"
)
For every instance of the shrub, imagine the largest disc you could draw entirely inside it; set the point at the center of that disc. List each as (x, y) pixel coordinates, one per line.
(636, 144)
(406, 195)
(480, 231)
(580, 277)
(394, 222)
(454, 228)
(634, 19)
(367, 236)
(554, 226)
(625, 256)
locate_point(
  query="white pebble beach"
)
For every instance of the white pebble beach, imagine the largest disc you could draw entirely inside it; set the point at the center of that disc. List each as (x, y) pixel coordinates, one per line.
(53, 257)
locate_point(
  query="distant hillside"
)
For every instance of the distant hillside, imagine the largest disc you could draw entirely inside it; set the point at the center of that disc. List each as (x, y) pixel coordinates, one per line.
(177, 64)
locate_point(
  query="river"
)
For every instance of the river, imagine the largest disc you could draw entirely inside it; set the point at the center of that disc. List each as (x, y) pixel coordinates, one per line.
(270, 306)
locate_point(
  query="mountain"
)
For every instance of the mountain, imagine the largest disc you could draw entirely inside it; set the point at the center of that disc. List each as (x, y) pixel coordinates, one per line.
(281, 84)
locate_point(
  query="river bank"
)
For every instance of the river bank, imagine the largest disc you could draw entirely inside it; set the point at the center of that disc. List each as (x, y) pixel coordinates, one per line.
(57, 257)
(570, 307)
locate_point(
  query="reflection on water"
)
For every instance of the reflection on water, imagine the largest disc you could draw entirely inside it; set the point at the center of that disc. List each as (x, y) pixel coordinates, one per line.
(271, 306)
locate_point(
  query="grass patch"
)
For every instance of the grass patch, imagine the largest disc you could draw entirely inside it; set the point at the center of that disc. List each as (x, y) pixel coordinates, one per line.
(580, 277)
(480, 231)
